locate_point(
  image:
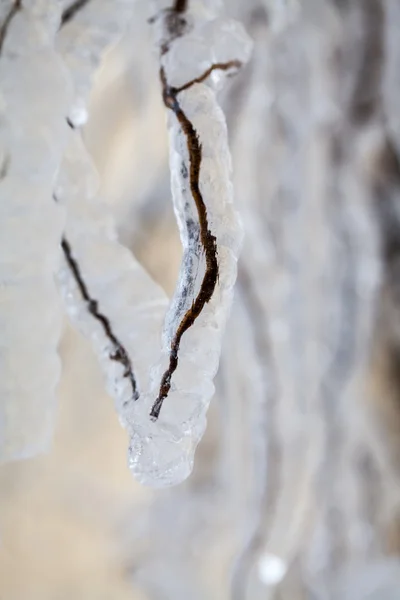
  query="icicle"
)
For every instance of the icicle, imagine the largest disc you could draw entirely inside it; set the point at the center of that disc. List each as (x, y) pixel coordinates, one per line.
(34, 97)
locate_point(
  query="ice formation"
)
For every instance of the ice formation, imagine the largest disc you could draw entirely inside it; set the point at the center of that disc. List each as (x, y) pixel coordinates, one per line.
(196, 50)
(108, 295)
(162, 400)
(32, 139)
(161, 396)
(100, 281)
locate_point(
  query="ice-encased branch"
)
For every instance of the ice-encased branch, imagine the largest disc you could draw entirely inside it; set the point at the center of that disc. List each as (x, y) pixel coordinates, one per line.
(195, 51)
(34, 98)
(108, 295)
(166, 417)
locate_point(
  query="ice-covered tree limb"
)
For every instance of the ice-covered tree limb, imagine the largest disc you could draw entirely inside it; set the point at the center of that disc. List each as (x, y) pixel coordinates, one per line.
(33, 139)
(210, 232)
(34, 99)
(165, 413)
(107, 293)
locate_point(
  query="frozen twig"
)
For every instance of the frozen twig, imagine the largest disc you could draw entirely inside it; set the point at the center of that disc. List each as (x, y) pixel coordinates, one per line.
(164, 409)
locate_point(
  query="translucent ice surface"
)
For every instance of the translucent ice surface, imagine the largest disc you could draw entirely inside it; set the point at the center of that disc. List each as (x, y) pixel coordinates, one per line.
(161, 377)
(33, 134)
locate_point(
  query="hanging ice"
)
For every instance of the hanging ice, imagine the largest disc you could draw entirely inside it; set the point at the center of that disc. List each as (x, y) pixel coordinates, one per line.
(161, 399)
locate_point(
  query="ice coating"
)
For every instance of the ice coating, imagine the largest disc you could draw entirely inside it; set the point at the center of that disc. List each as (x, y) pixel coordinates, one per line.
(196, 52)
(162, 398)
(162, 456)
(133, 307)
(33, 134)
(108, 295)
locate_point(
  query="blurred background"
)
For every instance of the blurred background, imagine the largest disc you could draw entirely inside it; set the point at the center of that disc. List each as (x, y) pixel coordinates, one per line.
(295, 493)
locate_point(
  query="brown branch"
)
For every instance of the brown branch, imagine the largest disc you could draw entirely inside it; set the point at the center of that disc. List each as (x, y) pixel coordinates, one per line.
(233, 64)
(120, 354)
(207, 239)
